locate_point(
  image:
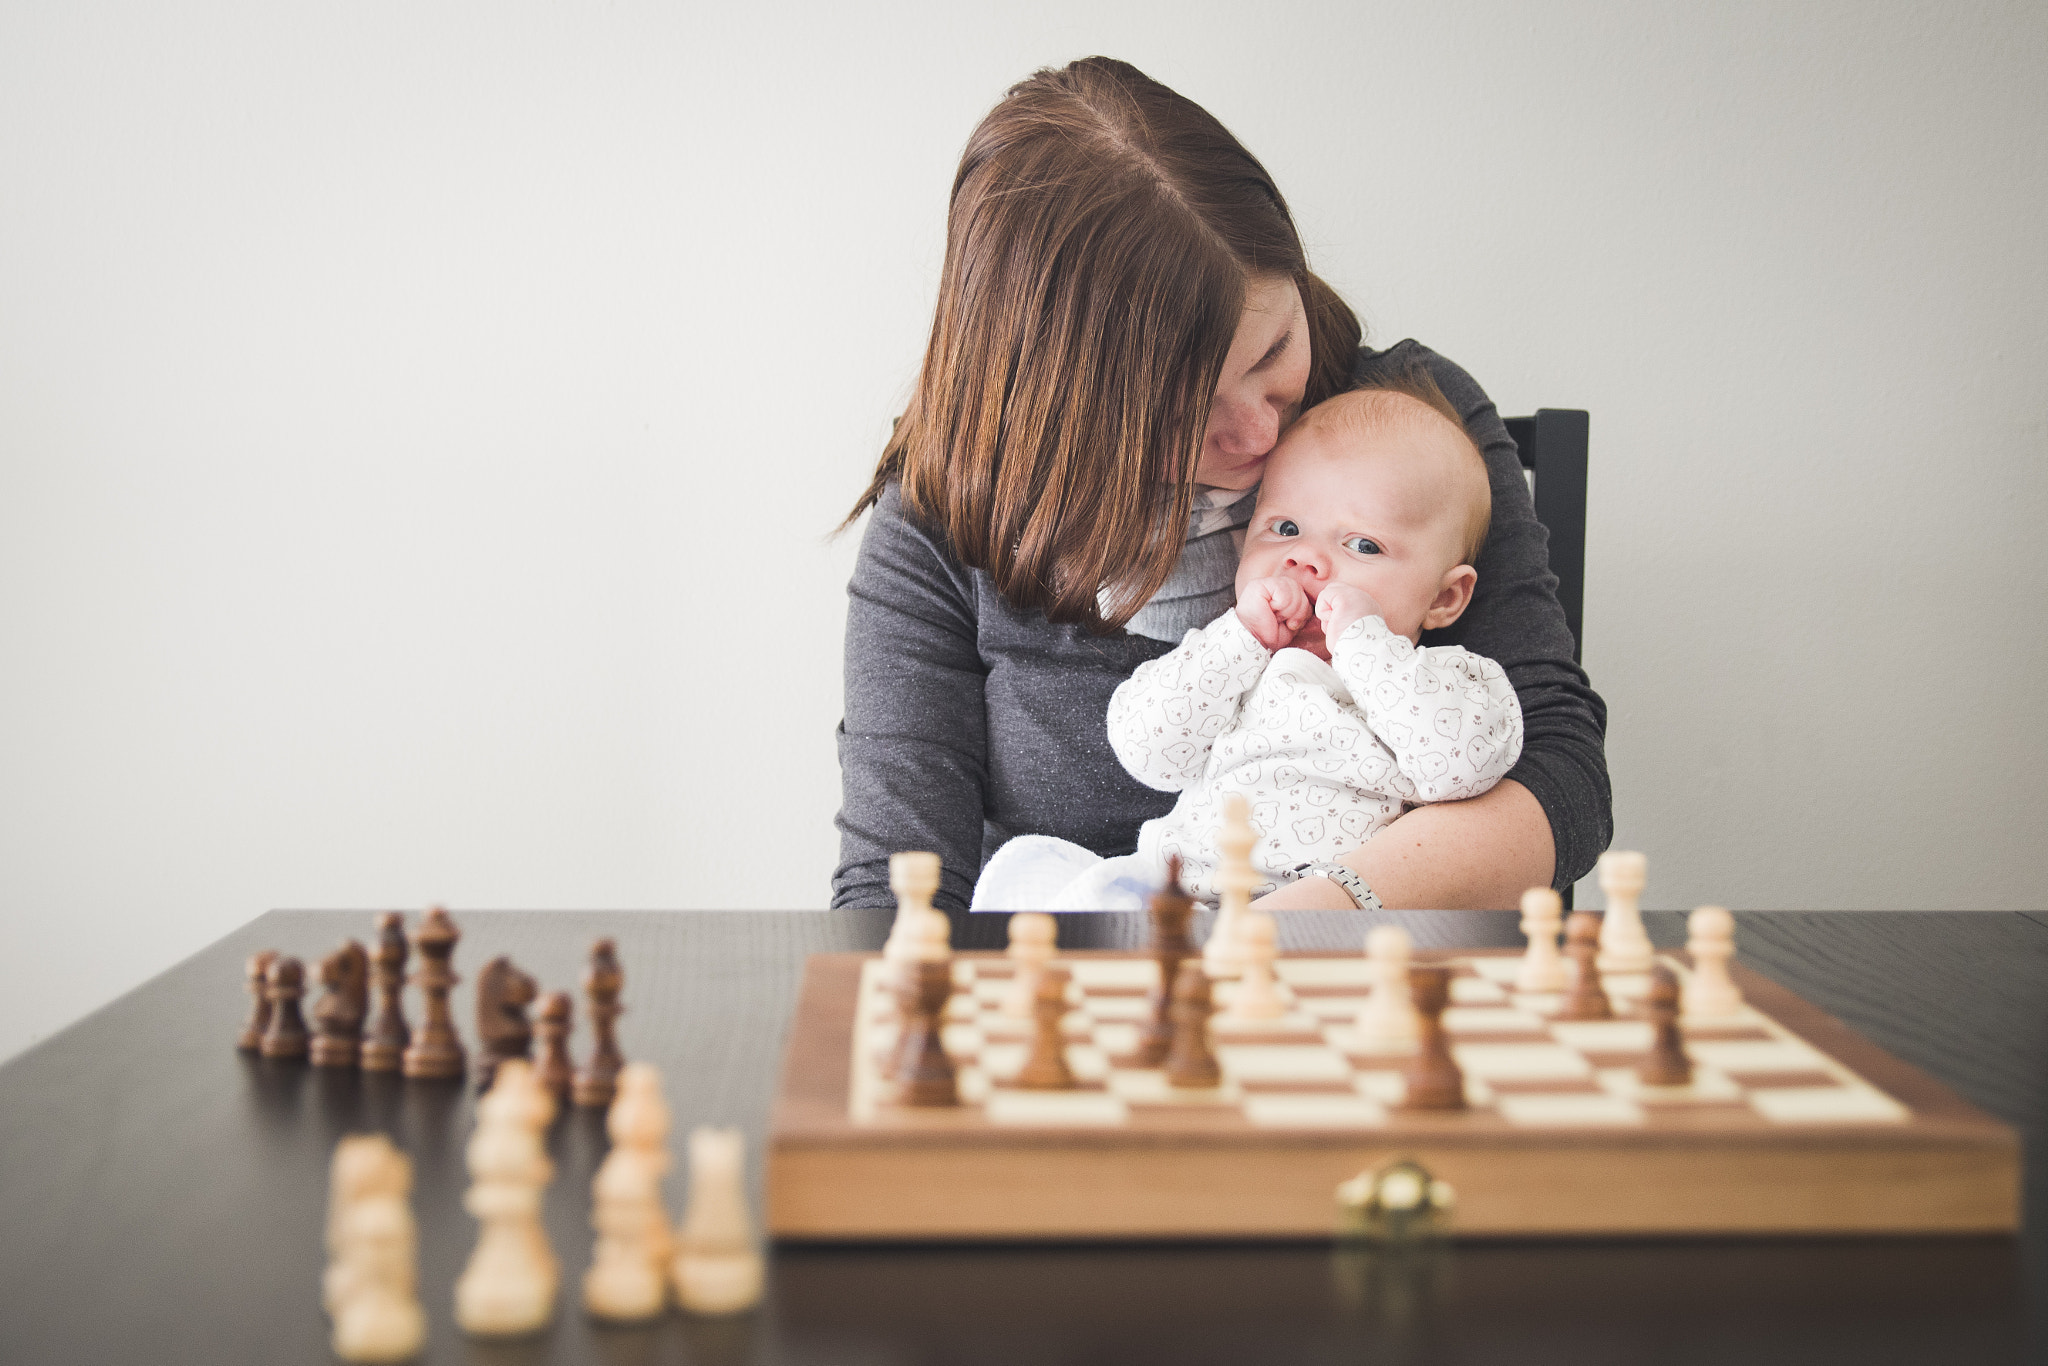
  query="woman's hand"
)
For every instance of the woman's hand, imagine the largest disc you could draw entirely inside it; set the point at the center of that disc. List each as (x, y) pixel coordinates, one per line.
(1340, 605)
(1273, 610)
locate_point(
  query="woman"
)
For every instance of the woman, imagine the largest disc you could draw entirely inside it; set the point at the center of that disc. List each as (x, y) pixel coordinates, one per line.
(1126, 323)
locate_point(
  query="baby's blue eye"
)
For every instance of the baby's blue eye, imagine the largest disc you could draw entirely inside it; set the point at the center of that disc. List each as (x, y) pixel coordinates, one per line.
(1361, 545)
(1284, 527)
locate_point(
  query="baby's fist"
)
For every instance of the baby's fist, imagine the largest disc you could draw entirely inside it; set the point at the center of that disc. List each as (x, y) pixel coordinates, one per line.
(1273, 610)
(1340, 605)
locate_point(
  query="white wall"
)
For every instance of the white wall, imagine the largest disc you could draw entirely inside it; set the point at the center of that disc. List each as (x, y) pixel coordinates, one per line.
(419, 423)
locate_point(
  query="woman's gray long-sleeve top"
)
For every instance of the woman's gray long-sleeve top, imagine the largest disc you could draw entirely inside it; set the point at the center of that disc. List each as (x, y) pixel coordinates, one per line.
(968, 721)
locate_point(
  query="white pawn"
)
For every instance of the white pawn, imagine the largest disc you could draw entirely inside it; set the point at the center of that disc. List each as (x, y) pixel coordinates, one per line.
(1389, 1015)
(1223, 955)
(921, 932)
(1624, 943)
(1709, 990)
(1543, 967)
(377, 1316)
(717, 1266)
(1258, 996)
(508, 1287)
(1034, 936)
(365, 1165)
(628, 1276)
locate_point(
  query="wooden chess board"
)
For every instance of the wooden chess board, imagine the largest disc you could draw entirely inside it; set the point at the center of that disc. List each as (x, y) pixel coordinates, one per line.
(1792, 1124)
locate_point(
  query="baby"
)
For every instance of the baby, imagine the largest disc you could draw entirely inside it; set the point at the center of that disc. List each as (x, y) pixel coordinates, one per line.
(1310, 698)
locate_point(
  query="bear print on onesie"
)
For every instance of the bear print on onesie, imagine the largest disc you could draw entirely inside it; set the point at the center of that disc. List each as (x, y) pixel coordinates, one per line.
(1324, 754)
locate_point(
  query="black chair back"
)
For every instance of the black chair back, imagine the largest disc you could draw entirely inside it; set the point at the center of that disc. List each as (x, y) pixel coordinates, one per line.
(1553, 447)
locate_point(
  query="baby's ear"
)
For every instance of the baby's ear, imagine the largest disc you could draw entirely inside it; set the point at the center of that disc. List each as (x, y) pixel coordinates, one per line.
(1453, 596)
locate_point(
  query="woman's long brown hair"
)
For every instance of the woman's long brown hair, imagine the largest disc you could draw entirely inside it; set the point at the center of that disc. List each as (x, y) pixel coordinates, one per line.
(1101, 233)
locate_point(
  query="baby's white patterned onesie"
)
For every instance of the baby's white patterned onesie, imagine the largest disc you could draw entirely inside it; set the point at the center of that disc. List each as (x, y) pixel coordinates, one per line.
(1326, 754)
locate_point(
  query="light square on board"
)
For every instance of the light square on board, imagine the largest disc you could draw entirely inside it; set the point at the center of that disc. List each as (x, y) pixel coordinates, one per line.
(1520, 1061)
(1827, 1105)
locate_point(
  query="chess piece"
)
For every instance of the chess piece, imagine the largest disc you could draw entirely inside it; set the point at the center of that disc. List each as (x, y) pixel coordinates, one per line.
(1588, 998)
(1388, 1017)
(517, 1091)
(1171, 909)
(283, 985)
(1434, 1081)
(920, 931)
(1034, 936)
(596, 1083)
(1624, 943)
(364, 1165)
(1191, 1062)
(1223, 955)
(1667, 1064)
(556, 1072)
(385, 1040)
(717, 1267)
(1711, 941)
(380, 1320)
(628, 1277)
(1543, 968)
(921, 1073)
(508, 1287)
(503, 993)
(436, 1051)
(338, 1016)
(1258, 994)
(371, 1284)
(258, 980)
(1046, 1069)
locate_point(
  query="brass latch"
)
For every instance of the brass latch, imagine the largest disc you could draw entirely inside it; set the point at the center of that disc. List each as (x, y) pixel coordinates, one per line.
(1399, 1203)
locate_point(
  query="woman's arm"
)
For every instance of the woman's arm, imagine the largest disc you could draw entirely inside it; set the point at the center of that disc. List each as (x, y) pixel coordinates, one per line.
(913, 747)
(1479, 854)
(1548, 820)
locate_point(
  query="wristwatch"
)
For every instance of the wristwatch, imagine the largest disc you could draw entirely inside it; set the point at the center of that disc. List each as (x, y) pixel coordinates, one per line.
(1353, 885)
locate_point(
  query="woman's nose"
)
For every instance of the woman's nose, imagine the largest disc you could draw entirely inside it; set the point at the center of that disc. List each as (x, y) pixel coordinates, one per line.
(1249, 428)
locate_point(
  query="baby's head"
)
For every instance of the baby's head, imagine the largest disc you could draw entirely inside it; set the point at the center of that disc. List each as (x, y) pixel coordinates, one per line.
(1382, 489)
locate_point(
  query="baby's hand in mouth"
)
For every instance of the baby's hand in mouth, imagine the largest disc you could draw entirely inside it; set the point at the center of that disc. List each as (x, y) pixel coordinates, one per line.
(1273, 610)
(1340, 604)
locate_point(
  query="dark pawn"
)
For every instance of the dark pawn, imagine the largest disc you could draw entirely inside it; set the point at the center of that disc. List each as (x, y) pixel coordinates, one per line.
(258, 979)
(436, 1053)
(1434, 1081)
(556, 1072)
(1046, 1069)
(598, 1082)
(1667, 1064)
(338, 1017)
(1588, 999)
(1171, 909)
(286, 983)
(923, 1074)
(388, 1034)
(503, 1032)
(1190, 1062)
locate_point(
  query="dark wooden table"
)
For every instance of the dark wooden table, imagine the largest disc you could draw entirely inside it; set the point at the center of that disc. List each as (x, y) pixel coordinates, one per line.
(161, 1195)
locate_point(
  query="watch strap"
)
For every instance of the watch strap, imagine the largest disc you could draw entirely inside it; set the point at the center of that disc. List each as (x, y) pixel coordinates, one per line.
(1354, 886)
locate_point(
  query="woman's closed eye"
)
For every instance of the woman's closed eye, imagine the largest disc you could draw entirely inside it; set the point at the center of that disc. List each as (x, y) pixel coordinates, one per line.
(1362, 545)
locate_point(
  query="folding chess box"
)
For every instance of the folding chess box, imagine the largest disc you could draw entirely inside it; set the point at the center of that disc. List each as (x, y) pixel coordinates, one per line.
(1792, 1124)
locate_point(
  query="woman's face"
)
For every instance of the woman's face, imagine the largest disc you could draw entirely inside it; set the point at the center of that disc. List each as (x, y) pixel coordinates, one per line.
(1259, 393)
